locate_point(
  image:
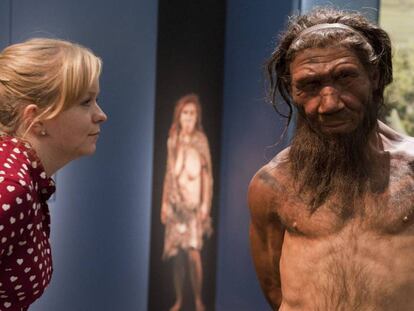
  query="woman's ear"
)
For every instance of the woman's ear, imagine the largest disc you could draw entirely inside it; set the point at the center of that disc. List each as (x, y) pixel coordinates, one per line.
(31, 122)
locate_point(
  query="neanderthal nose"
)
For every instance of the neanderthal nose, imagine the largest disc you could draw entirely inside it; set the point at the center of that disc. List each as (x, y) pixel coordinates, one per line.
(330, 101)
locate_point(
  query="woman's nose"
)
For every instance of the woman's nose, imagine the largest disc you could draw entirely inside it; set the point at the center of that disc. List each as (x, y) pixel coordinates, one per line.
(100, 116)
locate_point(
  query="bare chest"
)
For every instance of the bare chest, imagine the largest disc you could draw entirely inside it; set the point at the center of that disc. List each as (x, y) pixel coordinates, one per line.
(389, 211)
(188, 163)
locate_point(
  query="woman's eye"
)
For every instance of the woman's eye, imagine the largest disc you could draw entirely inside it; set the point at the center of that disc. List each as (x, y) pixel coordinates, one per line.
(86, 102)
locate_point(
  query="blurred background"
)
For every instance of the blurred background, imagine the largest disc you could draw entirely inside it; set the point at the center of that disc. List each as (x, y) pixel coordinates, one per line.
(105, 214)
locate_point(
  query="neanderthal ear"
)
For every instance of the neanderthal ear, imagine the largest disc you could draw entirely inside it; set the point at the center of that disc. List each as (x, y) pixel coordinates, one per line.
(375, 77)
(31, 121)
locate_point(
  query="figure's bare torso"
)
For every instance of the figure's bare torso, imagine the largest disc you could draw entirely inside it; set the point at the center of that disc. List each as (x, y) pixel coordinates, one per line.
(359, 260)
(188, 168)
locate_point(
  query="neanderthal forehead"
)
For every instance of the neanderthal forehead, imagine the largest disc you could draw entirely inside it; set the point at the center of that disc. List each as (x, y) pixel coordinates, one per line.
(327, 30)
(313, 60)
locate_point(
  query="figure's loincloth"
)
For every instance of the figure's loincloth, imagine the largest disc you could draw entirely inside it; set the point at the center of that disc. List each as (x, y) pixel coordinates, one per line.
(184, 230)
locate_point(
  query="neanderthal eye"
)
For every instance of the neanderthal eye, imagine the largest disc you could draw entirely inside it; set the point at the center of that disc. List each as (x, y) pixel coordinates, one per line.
(308, 85)
(346, 75)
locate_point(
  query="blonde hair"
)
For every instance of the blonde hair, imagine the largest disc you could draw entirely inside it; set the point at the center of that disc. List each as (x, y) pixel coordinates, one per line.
(50, 73)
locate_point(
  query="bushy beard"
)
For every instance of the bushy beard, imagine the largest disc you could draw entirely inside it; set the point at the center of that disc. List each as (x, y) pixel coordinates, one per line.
(331, 166)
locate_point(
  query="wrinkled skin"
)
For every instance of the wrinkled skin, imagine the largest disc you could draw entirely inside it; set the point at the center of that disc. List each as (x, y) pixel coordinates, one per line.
(326, 259)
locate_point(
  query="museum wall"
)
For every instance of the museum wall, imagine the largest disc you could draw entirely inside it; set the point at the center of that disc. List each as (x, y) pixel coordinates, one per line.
(251, 129)
(4, 23)
(101, 212)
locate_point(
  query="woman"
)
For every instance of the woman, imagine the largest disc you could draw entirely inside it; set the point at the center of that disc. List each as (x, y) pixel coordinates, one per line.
(49, 116)
(187, 196)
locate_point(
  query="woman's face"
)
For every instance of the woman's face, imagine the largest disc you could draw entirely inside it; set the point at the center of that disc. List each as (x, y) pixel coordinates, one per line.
(188, 117)
(75, 131)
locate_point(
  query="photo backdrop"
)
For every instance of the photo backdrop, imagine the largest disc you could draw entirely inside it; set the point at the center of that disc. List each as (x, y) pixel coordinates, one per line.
(189, 60)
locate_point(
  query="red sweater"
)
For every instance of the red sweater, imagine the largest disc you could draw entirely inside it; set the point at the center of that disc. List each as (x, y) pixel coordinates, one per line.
(25, 256)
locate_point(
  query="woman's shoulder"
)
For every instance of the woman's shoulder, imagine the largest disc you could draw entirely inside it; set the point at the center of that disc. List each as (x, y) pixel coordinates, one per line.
(16, 159)
(15, 179)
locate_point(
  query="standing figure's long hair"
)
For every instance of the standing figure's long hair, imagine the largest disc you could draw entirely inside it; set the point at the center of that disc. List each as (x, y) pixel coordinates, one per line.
(186, 99)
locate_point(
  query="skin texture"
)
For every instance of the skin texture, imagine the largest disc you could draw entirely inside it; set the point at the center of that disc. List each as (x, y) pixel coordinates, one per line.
(71, 134)
(74, 132)
(326, 259)
(188, 118)
(331, 86)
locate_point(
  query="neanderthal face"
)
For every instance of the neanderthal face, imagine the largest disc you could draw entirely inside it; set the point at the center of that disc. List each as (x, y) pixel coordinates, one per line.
(188, 117)
(332, 88)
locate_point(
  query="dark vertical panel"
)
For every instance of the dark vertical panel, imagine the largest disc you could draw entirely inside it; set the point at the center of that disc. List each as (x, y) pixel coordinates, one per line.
(189, 60)
(101, 216)
(250, 128)
(5, 7)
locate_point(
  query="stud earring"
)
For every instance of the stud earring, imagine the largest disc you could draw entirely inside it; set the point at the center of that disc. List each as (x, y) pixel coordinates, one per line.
(43, 132)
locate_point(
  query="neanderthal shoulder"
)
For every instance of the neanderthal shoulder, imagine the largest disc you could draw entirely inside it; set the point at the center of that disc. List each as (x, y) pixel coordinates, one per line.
(275, 173)
(402, 153)
(402, 160)
(270, 184)
(399, 146)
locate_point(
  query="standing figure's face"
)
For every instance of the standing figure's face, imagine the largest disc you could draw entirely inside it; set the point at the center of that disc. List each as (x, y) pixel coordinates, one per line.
(74, 132)
(332, 88)
(188, 117)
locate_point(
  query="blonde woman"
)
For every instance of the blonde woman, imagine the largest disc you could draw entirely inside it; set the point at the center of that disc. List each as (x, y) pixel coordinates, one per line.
(49, 116)
(187, 197)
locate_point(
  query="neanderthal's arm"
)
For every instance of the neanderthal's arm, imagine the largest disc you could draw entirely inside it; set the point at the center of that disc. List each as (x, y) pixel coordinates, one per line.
(266, 238)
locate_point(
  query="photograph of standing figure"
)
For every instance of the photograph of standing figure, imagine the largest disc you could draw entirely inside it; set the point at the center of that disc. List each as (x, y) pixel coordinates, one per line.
(186, 199)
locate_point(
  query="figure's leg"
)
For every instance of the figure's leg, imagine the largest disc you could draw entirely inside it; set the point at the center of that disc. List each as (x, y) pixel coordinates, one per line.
(196, 273)
(178, 275)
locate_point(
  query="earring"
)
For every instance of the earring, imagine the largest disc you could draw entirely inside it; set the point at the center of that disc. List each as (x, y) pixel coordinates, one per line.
(43, 132)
